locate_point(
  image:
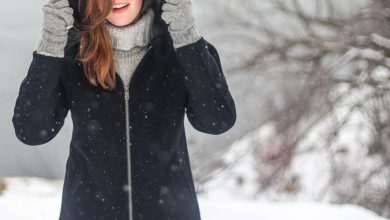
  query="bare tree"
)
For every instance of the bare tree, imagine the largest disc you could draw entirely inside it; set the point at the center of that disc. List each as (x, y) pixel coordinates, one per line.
(328, 57)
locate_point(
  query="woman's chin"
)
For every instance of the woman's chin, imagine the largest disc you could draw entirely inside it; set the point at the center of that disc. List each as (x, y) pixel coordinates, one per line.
(121, 23)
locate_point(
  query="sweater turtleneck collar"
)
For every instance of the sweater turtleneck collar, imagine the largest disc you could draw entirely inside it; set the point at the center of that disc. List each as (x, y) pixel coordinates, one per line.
(137, 34)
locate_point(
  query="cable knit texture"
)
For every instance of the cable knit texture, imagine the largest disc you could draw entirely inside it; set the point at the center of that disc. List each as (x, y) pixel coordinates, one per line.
(130, 43)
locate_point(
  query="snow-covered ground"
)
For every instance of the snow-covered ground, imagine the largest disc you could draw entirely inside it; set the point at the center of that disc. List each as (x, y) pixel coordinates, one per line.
(39, 199)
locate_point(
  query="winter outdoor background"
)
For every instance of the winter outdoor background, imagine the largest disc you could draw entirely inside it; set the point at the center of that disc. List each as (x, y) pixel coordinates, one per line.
(311, 83)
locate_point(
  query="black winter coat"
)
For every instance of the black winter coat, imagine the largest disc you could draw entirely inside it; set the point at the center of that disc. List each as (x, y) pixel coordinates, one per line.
(127, 137)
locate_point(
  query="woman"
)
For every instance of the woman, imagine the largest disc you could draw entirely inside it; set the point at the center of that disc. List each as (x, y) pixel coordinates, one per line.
(128, 76)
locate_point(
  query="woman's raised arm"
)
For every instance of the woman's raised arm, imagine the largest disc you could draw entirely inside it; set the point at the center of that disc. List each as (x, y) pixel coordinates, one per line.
(210, 107)
(41, 107)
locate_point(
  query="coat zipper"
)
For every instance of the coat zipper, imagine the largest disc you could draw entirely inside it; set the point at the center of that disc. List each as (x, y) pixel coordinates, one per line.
(127, 97)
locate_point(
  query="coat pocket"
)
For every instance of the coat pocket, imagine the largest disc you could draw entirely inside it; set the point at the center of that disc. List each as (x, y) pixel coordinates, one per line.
(176, 199)
(74, 178)
(189, 184)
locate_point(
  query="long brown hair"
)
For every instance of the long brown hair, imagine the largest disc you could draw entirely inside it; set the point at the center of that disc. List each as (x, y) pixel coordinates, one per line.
(96, 53)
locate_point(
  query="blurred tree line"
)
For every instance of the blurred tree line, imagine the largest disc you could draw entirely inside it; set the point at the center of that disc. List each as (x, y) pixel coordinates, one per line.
(331, 62)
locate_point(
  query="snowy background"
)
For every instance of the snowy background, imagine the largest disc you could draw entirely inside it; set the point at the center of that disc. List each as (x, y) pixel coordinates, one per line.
(40, 200)
(311, 84)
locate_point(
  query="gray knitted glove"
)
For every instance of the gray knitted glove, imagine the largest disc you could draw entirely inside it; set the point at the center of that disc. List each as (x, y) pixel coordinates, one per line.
(181, 22)
(57, 20)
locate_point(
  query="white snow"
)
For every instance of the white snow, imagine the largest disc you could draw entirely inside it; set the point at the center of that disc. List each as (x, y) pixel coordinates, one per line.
(40, 199)
(30, 198)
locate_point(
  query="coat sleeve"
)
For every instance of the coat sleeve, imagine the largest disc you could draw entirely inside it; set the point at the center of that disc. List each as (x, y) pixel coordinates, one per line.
(40, 107)
(210, 107)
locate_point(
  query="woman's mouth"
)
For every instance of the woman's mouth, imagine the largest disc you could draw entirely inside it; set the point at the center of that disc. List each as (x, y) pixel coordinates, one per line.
(119, 8)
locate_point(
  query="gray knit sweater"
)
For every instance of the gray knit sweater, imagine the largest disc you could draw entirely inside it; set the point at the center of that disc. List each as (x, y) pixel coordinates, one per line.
(130, 43)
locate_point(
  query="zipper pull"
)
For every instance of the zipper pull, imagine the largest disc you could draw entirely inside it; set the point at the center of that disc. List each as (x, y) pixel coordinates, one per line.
(127, 92)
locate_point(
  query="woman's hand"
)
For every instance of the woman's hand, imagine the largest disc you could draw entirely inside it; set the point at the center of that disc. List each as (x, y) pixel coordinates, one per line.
(181, 22)
(57, 20)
